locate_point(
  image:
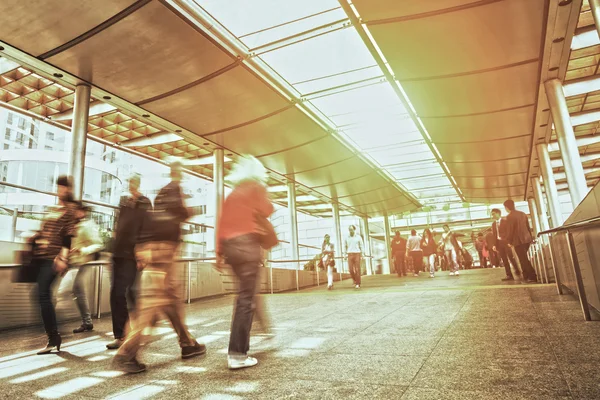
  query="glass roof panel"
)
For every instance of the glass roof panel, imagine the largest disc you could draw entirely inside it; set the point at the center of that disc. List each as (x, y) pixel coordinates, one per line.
(336, 74)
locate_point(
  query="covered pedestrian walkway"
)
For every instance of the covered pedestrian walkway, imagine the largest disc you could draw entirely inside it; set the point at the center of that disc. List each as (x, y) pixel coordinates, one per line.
(396, 338)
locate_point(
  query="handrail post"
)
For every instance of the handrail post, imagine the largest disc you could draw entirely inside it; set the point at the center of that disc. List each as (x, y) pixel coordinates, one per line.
(536, 253)
(189, 282)
(556, 276)
(580, 288)
(271, 276)
(542, 255)
(99, 286)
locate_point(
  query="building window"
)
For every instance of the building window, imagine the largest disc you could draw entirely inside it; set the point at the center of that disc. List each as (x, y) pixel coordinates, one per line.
(5, 146)
(48, 147)
(30, 146)
(50, 135)
(21, 122)
(7, 134)
(10, 118)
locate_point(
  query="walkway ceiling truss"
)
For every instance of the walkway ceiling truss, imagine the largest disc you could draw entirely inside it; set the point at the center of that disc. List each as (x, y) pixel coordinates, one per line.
(166, 74)
(472, 71)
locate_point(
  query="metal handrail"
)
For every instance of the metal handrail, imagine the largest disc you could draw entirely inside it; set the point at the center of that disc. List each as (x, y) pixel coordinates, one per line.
(594, 221)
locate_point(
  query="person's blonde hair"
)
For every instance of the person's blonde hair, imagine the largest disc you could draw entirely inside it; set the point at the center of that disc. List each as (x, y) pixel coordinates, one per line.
(247, 168)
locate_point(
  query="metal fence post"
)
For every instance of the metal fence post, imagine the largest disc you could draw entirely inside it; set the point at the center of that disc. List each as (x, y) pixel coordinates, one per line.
(580, 288)
(542, 255)
(271, 277)
(99, 286)
(556, 276)
(189, 282)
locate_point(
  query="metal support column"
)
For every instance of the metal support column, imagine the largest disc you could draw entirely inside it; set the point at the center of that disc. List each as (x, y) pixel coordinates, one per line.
(15, 216)
(99, 294)
(388, 240)
(367, 239)
(533, 211)
(339, 251)
(79, 138)
(550, 185)
(219, 186)
(567, 144)
(293, 227)
(585, 308)
(540, 203)
(595, 8)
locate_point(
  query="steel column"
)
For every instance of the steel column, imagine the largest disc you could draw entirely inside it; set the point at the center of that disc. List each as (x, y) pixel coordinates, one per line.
(293, 226)
(566, 141)
(338, 236)
(99, 286)
(367, 240)
(189, 282)
(533, 211)
(15, 217)
(540, 203)
(550, 185)
(595, 8)
(388, 240)
(79, 138)
(219, 187)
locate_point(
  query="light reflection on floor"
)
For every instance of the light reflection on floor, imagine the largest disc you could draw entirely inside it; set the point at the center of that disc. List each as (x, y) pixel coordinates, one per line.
(26, 367)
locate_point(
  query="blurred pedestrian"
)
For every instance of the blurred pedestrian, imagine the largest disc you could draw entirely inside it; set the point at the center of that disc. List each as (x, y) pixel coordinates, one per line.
(160, 279)
(52, 245)
(132, 212)
(414, 252)
(243, 231)
(85, 247)
(429, 248)
(354, 246)
(328, 259)
(398, 253)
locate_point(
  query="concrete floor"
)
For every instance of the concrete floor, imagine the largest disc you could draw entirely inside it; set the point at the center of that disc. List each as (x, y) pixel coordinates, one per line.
(469, 337)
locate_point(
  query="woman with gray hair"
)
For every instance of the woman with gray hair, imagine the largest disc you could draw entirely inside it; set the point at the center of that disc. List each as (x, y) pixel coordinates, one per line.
(243, 231)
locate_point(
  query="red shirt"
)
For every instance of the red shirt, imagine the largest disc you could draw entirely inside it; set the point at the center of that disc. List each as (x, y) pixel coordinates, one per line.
(241, 207)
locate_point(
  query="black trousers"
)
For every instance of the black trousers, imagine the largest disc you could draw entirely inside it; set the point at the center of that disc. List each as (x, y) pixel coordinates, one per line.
(506, 254)
(45, 281)
(122, 293)
(528, 271)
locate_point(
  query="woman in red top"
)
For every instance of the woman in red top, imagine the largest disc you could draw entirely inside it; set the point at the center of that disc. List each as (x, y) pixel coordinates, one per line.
(239, 245)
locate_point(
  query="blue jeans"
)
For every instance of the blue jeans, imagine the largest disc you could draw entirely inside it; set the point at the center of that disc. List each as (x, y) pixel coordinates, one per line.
(244, 255)
(80, 295)
(45, 280)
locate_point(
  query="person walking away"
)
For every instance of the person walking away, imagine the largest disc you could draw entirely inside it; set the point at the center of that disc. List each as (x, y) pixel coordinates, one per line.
(413, 250)
(51, 246)
(85, 246)
(519, 237)
(160, 279)
(429, 248)
(398, 252)
(354, 250)
(132, 212)
(479, 246)
(451, 250)
(328, 260)
(243, 231)
(500, 245)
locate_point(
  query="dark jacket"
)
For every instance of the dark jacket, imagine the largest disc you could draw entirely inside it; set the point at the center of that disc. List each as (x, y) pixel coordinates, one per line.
(503, 231)
(130, 216)
(164, 222)
(518, 230)
(428, 248)
(400, 247)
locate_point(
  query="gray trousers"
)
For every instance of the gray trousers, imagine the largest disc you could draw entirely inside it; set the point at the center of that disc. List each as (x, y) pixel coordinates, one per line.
(80, 295)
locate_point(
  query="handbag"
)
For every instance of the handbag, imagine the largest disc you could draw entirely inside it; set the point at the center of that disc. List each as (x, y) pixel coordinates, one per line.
(28, 269)
(266, 232)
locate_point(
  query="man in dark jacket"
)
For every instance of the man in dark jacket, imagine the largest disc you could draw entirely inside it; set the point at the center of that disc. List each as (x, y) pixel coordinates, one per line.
(398, 251)
(480, 245)
(500, 244)
(519, 237)
(132, 211)
(160, 280)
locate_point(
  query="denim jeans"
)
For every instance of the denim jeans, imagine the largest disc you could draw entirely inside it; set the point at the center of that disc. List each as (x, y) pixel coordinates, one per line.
(46, 278)
(80, 295)
(244, 255)
(354, 260)
(430, 261)
(122, 293)
(452, 260)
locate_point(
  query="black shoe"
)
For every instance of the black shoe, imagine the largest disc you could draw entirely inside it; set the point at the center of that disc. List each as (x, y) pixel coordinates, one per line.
(84, 328)
(508, 278)
(115, 344)
(530, 280)
(54, 342)
(132, 366)
(192, 351)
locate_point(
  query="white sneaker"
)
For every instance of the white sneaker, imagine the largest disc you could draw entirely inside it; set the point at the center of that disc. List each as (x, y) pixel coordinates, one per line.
(451, 273)
(357, 286)
(457, 273)
(238, 363)
(431, 275)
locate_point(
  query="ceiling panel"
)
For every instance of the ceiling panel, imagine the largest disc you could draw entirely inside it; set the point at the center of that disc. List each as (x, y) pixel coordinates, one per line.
(468, 40)
(144, 55)
(383, 9)
(475, 182)
(490, 168)
(485, 150)
(38, 26)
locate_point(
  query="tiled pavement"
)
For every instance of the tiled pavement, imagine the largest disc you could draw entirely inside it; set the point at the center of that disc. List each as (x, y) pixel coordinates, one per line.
(469, 337)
